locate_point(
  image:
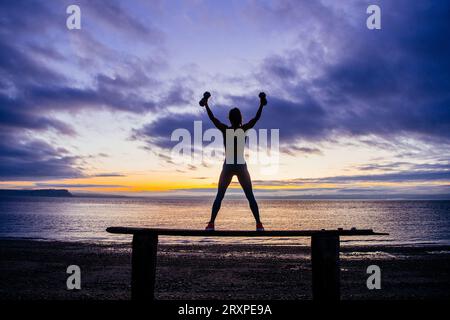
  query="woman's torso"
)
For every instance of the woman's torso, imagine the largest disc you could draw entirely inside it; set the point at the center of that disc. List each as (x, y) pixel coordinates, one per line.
(235, 155)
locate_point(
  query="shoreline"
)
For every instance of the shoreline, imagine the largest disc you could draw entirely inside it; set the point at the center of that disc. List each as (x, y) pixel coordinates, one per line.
(346, 245)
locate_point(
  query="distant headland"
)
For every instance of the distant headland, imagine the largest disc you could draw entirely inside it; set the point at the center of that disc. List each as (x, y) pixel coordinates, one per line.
(35, 193)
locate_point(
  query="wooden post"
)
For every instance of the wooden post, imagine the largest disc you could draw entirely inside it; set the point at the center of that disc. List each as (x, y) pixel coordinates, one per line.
(143, 266)
(325, 267)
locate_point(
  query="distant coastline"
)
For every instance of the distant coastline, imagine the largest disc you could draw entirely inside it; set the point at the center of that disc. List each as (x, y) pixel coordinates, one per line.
(35, 193)
(315, 197)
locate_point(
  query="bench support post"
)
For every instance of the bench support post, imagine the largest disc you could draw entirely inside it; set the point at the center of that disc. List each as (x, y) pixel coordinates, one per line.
(325, 267)
(143, 266)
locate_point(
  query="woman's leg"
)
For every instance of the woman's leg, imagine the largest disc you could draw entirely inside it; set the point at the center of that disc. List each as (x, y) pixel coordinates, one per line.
(246, 184)
(224, 182)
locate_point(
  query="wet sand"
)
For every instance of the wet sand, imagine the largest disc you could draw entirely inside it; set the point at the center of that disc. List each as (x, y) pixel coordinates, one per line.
(37, 270)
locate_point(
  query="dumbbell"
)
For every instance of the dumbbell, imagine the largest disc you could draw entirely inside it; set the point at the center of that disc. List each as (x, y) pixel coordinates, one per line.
(262, 97)
(205, 98)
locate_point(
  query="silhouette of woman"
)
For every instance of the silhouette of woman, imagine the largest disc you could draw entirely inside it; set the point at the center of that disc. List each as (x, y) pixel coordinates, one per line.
(234, 167)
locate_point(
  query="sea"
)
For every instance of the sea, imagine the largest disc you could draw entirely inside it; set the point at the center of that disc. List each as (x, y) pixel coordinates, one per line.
(85, 219)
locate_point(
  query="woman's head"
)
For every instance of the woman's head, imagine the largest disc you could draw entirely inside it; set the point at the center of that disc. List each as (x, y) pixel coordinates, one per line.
(235, 117)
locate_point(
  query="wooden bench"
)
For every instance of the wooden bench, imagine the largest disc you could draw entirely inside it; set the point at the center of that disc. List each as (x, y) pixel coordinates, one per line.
(324, 255)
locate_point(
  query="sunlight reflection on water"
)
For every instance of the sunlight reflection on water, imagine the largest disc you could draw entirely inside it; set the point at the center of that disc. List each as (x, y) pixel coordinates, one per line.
(85, 219)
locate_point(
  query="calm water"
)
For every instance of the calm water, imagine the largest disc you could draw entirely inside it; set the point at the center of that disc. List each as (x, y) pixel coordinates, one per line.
(85, 219)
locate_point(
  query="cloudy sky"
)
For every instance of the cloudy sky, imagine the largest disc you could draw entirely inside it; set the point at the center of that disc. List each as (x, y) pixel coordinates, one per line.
(360, 112)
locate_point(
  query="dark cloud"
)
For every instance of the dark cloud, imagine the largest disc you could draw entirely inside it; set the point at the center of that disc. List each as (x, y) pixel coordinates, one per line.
(394, 177)
(76, 185)
(294, 150)
(33, 159)
(390, 82)
(384, 84)
(304, 118)
(394, 81)
(307, 117)
(396, 166)
(30, 82)
(402, 176)
(159, 131)
(108, 174)
(114, 16)
(13, 117)
(191, 167)
(47, 70)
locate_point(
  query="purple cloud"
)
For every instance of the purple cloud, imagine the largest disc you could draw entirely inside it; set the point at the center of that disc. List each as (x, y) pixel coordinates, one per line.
(33, 159)
(389, 83)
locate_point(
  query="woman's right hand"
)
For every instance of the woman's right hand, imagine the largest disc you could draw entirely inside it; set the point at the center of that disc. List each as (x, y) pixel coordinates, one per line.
(204, 101)
(262, 98)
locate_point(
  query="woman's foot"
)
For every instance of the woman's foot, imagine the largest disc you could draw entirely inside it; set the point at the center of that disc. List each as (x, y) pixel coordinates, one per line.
(259, 226)
(210, 226)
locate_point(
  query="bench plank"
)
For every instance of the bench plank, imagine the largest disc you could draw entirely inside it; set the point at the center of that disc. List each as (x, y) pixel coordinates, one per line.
(241, 233)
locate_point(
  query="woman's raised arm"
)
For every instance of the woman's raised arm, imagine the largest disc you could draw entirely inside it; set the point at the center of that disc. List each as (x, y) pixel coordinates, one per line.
(219, 125)
(262, 103)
